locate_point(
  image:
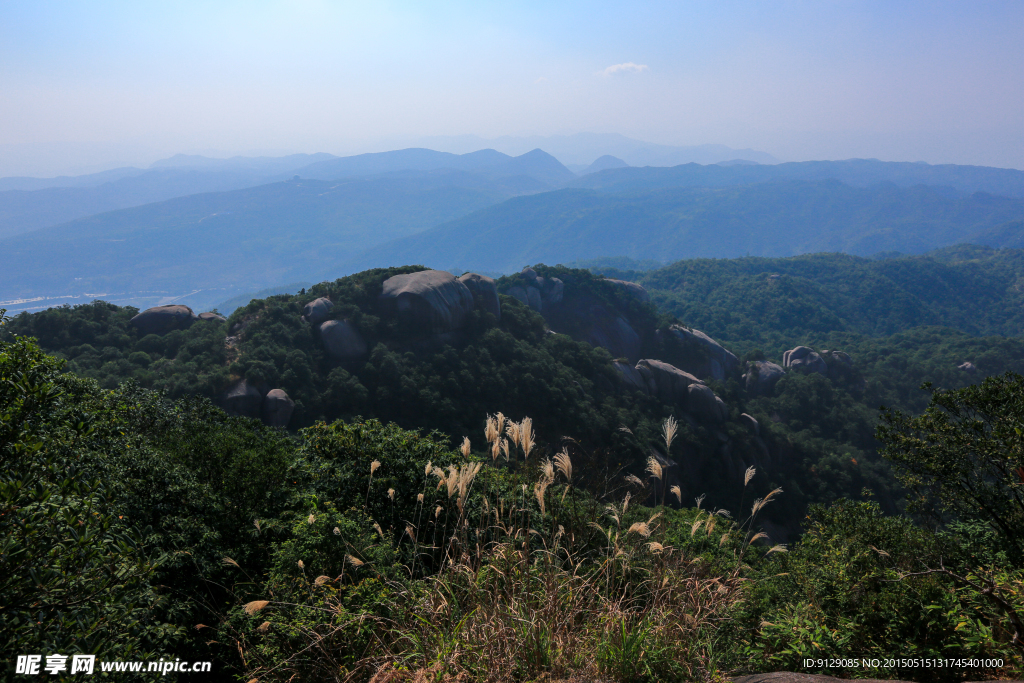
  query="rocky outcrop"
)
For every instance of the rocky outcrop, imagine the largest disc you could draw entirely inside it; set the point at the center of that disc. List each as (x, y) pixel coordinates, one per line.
(538, 292)
(242, 398)
(629, 377)
(702, 402)
(804, 359)
(317, 311)
(163, 319)
(666, 381)
(485, 293)
(430, 300)
(277, 408)
(702, 355)
(968, 367)
(761, 377)
(635, 290)
(614, 334)
(342, 340)
(750, 422)
(210, 316)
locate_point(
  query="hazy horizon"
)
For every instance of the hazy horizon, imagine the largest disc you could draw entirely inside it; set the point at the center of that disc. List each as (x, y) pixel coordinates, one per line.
(109, 83)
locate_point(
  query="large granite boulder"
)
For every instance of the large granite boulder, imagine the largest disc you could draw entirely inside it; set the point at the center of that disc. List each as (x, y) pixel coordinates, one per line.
(431, 300)
(342, 340)
(616, 335)
(703, 356)
(317, 311)
(277, 408)
(242, 398)
(702, 402)
(804, 359)
(163, 319)
(633, 289)
(539, 293)
(968, 367)
(761, 377)
(666, 381)
(485, 293)
(212, 317)
(629, 377)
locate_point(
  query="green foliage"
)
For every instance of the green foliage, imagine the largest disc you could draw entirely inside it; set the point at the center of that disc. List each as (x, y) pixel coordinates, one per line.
(965, 456)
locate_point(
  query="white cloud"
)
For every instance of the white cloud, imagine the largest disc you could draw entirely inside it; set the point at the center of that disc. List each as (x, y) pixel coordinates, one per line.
(626, 67)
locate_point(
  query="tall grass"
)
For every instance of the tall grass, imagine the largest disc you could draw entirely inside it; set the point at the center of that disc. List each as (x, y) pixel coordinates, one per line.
(557, 584)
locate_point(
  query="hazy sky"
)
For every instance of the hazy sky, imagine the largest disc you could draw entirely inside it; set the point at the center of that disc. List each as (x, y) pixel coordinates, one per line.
(898, 80)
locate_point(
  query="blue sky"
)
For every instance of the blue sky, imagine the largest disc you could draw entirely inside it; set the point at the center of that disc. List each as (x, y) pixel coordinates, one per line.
(934, 81)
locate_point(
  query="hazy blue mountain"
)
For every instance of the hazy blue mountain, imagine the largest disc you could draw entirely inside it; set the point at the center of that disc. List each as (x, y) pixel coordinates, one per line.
(780, 218)
(227, 243)
(603, 164)
(1009, 234)
(228, 307)
(582, 148)
(88, 180)
(534, 164)
(266, 166)
(860, 172)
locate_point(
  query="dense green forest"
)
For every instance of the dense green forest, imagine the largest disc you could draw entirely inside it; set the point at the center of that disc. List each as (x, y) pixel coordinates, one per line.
(355, 549)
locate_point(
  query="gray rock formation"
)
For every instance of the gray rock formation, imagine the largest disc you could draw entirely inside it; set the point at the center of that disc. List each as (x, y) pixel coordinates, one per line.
(277, 408)
(210, 316)
(317, 311)
(705, 357)
(519, 293)
(750, 422)
(702, 402)
(538, 293)
(242, 398)
(534, 299)
(633, 289)
(761, 377)
(968, 367)
(666, 381)
(804, 359)
(163, 319)
(485, 293)
(430, 300)
(616, 335)
(629, 377)
(342, 340)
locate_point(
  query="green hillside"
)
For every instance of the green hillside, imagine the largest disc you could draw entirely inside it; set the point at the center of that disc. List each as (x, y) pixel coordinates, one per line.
(770, 219)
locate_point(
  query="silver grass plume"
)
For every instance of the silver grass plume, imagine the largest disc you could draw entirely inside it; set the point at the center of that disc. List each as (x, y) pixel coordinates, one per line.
(564, 465)
(654, 467)
(678, 493)
(668, 431)
(748, 475)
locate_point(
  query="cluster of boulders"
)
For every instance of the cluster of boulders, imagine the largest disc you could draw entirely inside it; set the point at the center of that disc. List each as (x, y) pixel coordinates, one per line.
(436, 301)
(673, 386)
(246, 399)
(596, 323)
(164, 319)
(701, 355)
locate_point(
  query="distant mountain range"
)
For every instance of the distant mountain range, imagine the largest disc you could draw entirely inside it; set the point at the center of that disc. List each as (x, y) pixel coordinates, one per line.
(201, 231)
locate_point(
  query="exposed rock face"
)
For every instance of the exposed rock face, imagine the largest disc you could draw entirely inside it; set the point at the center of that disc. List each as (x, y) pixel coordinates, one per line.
(342, 341)
(277, 408)
(665, 381)
(804, 359)
(242, 398)
(163, 319)
(750, 422)
(432, 300)
(706, 358)
(633, 289)
(629, 377)
(485, 293)
(317, 311)
(616, 335)
(533, 299)
(968, 367)
(538, 292)
(761, 377)
(210, 316)
(702, 402)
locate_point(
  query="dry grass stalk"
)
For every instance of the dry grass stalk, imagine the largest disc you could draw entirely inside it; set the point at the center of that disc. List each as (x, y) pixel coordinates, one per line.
(466, 450)
(391, 496)
(310, 519)
(640, 528)
(337, 531)
(378, 529)
(526, 437)
(758, 536)
(437, 511)
(748, 475)
(504, 448)
(355, 562)
(564, 465)
(547, 468)
(668, 432)
(228, 562)
(513, 432)
(374, 466)
(321, 580)
(678, 493)
(654, 467)
(263, 628)
(255, 606)
(780, 548)
(634, 480)
(302, 565)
